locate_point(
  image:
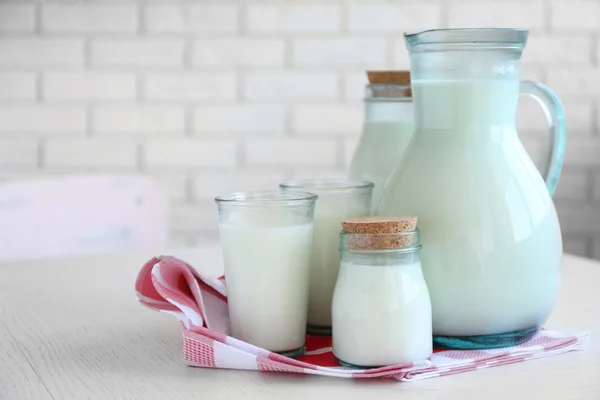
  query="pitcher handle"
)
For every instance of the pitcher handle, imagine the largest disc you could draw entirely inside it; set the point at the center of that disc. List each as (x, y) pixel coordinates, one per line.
(555, 115)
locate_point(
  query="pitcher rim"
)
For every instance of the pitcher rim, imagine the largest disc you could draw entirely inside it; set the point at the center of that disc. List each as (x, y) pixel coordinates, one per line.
(507, 36)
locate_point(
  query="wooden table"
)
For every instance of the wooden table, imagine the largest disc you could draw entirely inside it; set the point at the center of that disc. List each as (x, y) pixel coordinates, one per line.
(72, 329)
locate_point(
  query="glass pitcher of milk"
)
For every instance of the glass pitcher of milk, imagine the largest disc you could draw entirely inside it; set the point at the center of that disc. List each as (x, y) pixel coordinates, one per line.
(491, 238)
(387, 128)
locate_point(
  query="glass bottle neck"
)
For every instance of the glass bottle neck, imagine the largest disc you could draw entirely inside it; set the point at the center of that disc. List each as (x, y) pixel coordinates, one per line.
(388, 111)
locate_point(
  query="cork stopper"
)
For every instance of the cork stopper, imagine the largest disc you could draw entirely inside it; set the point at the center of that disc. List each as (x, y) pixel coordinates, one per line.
(390, 84)
(401, 77)
(379, 233)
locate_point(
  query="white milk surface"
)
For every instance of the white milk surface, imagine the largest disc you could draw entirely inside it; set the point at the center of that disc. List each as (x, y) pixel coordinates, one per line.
(381, 315)
(491, 239)
(380, 149)
(267, 272)
(330, 211)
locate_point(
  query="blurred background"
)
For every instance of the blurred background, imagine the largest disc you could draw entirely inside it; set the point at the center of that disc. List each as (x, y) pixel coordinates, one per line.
(209, 97)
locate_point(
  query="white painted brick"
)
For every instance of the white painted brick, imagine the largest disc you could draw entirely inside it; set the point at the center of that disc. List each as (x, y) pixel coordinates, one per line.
(563, 49)
(401, 57)
(266, 18)
(89, 18)
(596, 249)
(46, 52)
(583, 152)
(290, 86)
(137, 52)
(17, 18)
(193, 18)
(575, 245)
(579, 117)
(339, 52)
(350, 146)
(117, 153)
(42, 119)
(17, 86)
(574, 82)
(199, 217)
(190, 153)
(138, 119)
(574, 14)
(238, 52)
(18, 153)
(386, 17)
(596, 187)
(532, 73)
(573, 185)
(502, 14)
(578, 113)
(89, 85)
(190, 86)
(354, 86)
(328, 119)
(174, 186)
(210, 185)
(318, 172)
(579, 219)
(290, 152)
(240, 118)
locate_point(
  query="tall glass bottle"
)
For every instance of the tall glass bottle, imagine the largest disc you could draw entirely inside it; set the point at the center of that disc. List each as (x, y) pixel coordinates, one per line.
(387, 129)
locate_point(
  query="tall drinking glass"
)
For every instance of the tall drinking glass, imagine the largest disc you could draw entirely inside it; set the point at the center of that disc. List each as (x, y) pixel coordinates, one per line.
(266, 239)
(339, 199)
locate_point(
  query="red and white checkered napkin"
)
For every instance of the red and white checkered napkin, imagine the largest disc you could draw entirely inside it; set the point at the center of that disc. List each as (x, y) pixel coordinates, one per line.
(199, 301)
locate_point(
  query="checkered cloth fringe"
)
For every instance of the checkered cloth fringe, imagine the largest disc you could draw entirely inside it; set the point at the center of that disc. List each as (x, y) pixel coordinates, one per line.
(170, 285)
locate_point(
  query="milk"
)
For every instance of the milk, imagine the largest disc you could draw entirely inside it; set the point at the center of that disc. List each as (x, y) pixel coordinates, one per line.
(267, 271)
(381, 315)
(491, 238)
(386, 133)
(330, 210)
(379, 150)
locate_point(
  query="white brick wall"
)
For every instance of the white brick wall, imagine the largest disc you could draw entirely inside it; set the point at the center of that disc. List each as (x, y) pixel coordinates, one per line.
(89, 18)
(139, 119)
(17, 86)
(240, 119)
(189, 153)
(293, 18)
(112, 153)
(17, 18)
(40, 119)
(352, 52)
(240, 52)
(290, 86)
(16, 52)
(212, 96)
(574, 14)
(220, 18)
(500, 14)
(190, 86)
(88, 85)
(137, 52)
(385, 17)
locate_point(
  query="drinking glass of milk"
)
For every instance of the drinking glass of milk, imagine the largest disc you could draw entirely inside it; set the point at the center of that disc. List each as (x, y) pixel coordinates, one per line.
(338, 199)
(267, 242)
(387, 129)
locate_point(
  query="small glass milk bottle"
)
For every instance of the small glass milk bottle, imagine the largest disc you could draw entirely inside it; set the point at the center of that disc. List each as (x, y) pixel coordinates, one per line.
(387, 128)
(381, 310)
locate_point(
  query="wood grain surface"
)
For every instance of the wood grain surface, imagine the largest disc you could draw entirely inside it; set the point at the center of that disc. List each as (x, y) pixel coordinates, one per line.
(73, 329)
